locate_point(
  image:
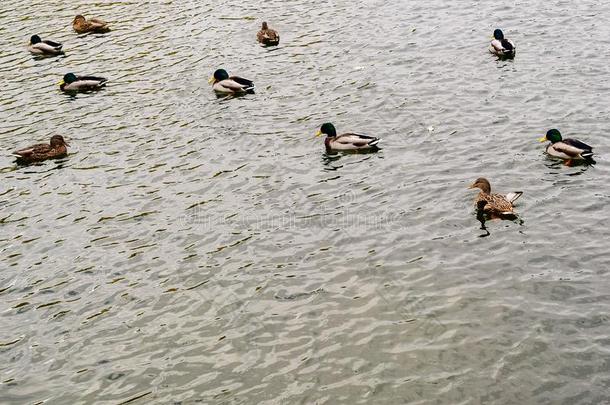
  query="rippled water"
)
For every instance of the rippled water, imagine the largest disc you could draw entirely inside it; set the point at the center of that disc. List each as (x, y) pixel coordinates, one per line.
(195, 249)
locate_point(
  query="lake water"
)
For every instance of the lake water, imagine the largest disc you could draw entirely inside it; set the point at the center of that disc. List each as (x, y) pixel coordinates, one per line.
(200, 250)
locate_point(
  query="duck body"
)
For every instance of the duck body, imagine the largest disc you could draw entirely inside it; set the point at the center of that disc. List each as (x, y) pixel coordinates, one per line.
(81, 25)
(36, 153)
(494, 204)
(267, 36)
(223, 84)
(502, 47)
(348, 142)
(567, 149)
(47, 48)
(74, 83)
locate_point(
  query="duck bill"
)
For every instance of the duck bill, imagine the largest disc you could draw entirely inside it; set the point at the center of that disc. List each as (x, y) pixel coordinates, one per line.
(543, 139)
(471, 186)
(318, 133)
(61, 83)
(211, 80)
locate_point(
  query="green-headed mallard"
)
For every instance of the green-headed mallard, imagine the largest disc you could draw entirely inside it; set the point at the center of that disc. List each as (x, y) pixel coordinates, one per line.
(39, 47)
(82, 25)
(225, 84)
(347, 142)
(74, 83)
(568, 149)
(43, 151)
(493, 203)
(267, 36)
(501, 46)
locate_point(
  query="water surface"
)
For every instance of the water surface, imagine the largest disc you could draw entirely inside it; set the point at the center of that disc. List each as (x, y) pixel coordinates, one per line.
(195, 249)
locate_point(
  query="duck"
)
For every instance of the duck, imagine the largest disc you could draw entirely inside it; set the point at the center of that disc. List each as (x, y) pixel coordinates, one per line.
(567, 149)
(81, 25)
(501, 46)
(222, 83)
(267, 36)
(347, 142)
(74, 83)
(493, 204)
(36, 153)
(48, 48)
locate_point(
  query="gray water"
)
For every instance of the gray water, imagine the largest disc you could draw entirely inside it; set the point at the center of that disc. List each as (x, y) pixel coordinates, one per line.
(200, 250)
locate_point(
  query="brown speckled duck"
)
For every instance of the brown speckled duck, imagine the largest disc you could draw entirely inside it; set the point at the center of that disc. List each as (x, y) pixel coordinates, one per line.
(267, 36)
(82, 25)
(347, 142)
(497, 204)
(36, 153)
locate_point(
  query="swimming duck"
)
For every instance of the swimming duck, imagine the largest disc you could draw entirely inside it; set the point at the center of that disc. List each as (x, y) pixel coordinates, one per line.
(347, 142)
(39, 47)
(82, 25)
(267, 36)
(225, 84)
(72, 83)
(493, 203)
(569, 149)
(42, 151)
(502, 47)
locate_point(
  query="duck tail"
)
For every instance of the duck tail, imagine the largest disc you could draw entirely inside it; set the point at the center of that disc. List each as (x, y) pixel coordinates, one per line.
(514, 196)
(588, 154)
(374, 142)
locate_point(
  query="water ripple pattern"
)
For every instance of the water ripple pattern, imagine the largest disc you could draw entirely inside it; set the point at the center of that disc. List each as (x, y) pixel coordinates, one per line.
(192, 249)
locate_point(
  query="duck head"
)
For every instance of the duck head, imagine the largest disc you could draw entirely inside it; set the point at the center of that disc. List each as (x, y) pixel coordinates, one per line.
(57, 141)
(35, 39)
(68, 78)
(264, 26)
(483, 184)
(498, 34)
(552, 135)
(219, 75)
(327, 129)
(79, 19)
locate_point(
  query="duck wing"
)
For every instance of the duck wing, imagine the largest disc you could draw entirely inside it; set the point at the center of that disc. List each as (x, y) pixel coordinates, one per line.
(54, 44)
(569, 150)
(577, 144)
(100, 80)
(242, 82)
(354, 141)
(33, 150)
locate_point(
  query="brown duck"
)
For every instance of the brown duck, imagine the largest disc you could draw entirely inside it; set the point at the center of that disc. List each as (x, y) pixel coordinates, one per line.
(267, 36)
(82, 25)
(494, 204)
(42, 151)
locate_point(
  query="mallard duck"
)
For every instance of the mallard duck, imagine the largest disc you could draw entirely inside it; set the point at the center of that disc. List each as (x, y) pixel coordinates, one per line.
(225, 84)
(569, 149)
(347, 142)
(82, 25)
(42, 151)
(493, 203)
(39, 47)
(502, 47)
(267, 36)
(72, 83)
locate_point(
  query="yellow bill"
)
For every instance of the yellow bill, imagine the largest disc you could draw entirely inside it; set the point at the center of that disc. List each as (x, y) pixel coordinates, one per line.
(211, 79)
(318, 133)
(61, 82)
(543, 139)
